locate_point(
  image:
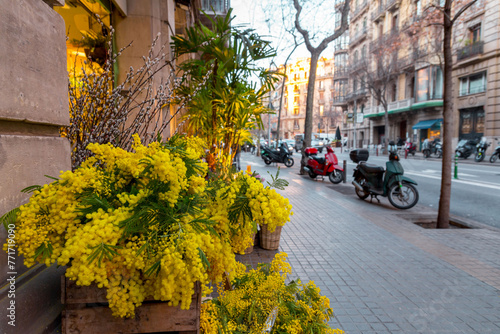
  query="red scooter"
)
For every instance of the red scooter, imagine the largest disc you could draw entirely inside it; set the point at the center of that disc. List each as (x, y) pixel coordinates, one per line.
(327, 166)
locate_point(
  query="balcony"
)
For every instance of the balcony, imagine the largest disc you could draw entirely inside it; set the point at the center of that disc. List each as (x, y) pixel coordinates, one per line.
(396, 106)
(215, 6)
(361, 7)
(358, 37)
(360, 65)
(392, 5)
(379, 12)
(338, 101)
(356, 95)
(340, 72)
(470, 50)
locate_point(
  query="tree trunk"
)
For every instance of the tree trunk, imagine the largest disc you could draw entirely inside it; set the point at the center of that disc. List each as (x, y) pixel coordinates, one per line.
(308, 126)
(443, 219)
(386, 129)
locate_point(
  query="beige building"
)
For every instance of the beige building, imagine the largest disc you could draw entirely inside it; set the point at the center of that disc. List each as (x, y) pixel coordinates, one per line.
(476, 71)
(326, 116)
(413, 90)
(380, 32)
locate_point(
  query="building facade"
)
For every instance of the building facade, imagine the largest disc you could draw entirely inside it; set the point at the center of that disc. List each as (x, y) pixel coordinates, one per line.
(292, 91)
(475, 73)
(413, 88)
(386, 57)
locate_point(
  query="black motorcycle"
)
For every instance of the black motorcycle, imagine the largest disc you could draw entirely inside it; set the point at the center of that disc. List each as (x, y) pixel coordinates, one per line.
(434, 147)
(481, 149)
(389, 182)
(496, 154)
(465, 148)
(281, 155)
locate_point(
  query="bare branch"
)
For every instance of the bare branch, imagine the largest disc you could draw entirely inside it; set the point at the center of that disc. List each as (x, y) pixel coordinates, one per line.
(462, 10)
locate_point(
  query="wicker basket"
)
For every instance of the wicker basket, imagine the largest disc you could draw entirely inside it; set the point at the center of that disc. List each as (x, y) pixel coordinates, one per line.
(268, 240)
(249, 250)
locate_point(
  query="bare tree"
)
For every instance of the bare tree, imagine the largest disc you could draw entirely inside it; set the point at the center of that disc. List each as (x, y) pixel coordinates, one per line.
(377, 73)
(315, 54)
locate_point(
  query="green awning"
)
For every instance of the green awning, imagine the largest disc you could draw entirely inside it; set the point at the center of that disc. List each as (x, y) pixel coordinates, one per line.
(427, 123)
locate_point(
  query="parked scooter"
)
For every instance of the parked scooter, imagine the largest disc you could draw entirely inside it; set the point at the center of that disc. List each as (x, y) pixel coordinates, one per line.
(465, 148)
(327, 166)
(496, 154)
(434, 147)
(481, 148)
(282, 155)
(372, 180)
(410, 148)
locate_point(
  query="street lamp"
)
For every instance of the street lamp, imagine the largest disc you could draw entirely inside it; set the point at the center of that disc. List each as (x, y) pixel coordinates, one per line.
(269, 117)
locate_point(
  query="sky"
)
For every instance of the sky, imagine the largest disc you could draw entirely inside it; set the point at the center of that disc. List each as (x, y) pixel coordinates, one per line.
(251, 14)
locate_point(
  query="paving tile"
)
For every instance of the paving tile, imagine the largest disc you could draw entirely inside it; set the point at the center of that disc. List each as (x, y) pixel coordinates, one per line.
(382, 273)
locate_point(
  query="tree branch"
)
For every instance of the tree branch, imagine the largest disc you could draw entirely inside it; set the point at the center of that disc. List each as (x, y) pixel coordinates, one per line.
(462, 10)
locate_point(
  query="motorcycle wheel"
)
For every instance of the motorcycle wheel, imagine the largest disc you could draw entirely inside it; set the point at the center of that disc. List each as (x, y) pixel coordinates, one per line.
(494, 158)
(312, 174)
(336, 176)
(361, 194)
(289, 162)
(426, 153)
(267, 161)
(412, 153)
(403, 197)
(479, 157)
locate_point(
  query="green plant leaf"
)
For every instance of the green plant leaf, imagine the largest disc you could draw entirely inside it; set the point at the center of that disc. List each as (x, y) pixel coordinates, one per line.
(9, 218)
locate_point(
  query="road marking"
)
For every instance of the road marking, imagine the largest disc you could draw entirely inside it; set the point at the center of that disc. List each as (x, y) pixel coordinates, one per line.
(473, 183)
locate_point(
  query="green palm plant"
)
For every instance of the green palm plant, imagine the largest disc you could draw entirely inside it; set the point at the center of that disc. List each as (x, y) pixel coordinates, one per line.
(228, 105)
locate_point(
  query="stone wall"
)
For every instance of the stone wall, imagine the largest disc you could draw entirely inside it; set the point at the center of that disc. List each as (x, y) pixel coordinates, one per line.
(33, 106)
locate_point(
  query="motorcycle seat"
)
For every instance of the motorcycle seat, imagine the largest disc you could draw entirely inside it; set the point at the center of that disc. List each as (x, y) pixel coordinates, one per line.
(369, 168)
(319, 160)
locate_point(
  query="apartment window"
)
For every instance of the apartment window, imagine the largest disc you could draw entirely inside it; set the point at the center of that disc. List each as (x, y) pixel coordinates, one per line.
(296, 125)
(423, 84)
(418, 6)
(475, 33)
(355, 56)
(295, 111)
(364, 24)
(363, 52)
(321, 110)
(394, 22)
(320, 84)
(355, 85)
(296, 100)
(321, 96)
(473, 84)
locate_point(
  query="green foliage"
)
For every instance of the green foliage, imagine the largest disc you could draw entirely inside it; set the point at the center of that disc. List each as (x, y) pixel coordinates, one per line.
(277, 182)
(223, 109)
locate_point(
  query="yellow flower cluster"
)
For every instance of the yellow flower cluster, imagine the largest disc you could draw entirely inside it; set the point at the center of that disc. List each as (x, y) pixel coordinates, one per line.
(245, 309)
(145, 223)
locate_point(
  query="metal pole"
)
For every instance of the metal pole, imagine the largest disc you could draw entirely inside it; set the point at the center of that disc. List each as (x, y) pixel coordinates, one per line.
(354, 126)
(455, 174)
(344, 176)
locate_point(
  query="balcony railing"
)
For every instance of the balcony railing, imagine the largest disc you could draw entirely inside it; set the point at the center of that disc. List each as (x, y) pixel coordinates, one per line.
(219, 6)
(354, 95)
(392, 5)
(340, 71)
(470, 50)
(401, 104)
(338, 100)
(357, 66)
(379, 11)
(358, 37)
(359, 9)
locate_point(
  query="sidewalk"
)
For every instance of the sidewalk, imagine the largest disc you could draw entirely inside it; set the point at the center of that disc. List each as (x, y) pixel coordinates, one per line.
(381, 272)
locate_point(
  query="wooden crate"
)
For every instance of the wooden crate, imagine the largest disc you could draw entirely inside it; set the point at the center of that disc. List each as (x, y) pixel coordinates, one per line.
(87, 311)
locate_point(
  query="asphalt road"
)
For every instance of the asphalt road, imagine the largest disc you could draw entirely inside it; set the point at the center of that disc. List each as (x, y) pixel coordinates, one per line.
(475, 194)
